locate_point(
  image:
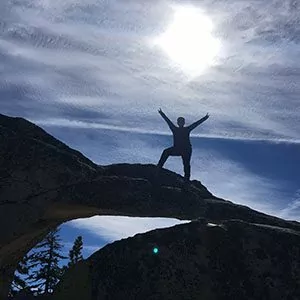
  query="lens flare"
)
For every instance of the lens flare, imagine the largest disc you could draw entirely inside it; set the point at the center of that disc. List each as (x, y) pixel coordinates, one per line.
(155, 250)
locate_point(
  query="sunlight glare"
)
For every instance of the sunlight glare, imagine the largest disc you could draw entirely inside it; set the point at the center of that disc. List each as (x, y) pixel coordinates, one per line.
(189, 42)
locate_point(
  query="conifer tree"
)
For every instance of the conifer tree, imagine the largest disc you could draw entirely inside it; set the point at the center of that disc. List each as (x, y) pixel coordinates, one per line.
(75, 254)
(19, 280)
(44, 262)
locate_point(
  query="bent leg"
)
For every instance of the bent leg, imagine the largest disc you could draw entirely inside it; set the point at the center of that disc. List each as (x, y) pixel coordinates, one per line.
(186, 159)
(164, 156)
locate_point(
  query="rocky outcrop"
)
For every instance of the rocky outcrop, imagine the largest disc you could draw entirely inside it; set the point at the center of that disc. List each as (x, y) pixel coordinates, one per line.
(229, 260)
(44, 183)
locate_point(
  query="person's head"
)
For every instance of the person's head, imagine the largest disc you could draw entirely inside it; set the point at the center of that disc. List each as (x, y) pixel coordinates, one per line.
(180, 121)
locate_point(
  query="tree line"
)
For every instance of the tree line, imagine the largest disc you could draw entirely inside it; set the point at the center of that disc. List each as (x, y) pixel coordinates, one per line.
(41, 269)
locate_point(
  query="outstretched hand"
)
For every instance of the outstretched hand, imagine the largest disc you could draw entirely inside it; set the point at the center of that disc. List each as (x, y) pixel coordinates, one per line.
(160, 111)
(206, 116)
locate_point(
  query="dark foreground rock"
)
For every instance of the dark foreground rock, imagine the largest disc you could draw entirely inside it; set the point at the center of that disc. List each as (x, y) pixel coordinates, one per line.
(44, 183)
(234, 260)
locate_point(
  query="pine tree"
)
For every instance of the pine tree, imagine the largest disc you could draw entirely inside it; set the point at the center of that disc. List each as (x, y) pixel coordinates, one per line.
(44, 261)
(75, 254)
(19, 281)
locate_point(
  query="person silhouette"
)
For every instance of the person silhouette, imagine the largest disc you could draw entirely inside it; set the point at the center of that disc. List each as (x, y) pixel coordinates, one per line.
(181, 142)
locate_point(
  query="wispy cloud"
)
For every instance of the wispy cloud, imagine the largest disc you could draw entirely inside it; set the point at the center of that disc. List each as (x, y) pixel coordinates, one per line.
(292, 210)
(115, 228)
(100, 55)
(234, 182)
(62, 122)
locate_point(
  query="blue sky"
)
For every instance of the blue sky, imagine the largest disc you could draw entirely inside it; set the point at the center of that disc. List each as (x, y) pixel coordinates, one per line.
(90, 73)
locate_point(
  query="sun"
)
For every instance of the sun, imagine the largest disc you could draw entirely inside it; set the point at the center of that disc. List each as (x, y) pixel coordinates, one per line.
(189, 42)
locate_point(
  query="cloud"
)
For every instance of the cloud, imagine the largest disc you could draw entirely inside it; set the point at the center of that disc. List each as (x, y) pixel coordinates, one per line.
(99, 56)
(115, 228)
(91, 248)
(61, 122)
(233, 182)
(292, 210)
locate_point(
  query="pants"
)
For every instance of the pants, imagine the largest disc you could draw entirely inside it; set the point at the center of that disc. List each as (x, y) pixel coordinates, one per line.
(185, 155)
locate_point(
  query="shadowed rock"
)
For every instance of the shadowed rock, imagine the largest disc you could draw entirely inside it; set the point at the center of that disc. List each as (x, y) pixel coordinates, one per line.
(44, 183)
(229, 260)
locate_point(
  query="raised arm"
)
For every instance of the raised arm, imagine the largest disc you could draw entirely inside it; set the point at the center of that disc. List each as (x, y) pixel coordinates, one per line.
(169, 122)
(197, 123)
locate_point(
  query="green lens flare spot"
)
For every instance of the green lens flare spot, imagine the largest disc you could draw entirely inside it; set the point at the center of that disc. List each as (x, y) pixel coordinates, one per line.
(155, 250)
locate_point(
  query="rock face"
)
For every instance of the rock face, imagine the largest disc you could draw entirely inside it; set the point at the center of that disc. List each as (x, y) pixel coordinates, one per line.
(44, 183)
(233, 260)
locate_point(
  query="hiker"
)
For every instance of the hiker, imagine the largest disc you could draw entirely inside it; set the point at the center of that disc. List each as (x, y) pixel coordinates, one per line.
(181, 143)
